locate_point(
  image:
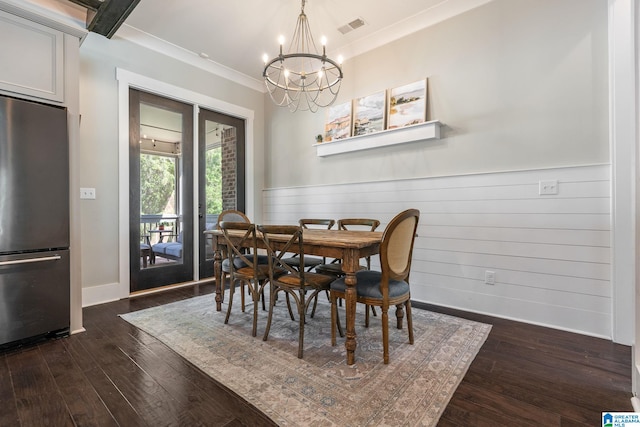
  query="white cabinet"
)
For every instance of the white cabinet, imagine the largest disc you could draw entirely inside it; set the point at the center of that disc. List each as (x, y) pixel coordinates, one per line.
(32, 58)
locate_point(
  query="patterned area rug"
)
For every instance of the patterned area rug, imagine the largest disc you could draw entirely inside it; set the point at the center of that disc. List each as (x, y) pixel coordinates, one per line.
(413, 389)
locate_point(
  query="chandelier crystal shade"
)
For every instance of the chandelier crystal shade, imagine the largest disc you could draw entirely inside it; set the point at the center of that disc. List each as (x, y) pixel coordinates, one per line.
(302, 79)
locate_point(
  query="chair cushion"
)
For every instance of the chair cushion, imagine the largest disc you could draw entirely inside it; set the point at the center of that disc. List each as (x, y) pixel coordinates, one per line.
(368, 285)
(309, 261)
(334, 269)
(144, 246)
(160, 248)
(238, 263)
(173, 249)
(312, 280)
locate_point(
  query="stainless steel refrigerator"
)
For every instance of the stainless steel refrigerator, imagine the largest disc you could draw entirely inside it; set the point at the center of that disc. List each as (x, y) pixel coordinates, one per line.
(34, 221)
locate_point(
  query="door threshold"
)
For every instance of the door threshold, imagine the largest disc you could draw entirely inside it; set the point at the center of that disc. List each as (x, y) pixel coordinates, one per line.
(194, 283)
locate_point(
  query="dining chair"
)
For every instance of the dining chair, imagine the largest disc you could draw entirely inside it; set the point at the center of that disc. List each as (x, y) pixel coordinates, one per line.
(311, 261)
(244, 266)
(335, 266)
(387, 287)
(295, 281)
(232, 215)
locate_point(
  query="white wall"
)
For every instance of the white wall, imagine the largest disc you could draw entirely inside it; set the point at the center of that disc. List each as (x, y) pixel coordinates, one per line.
(100, 57)
(517, 84)
(522, 88)
(550, 254)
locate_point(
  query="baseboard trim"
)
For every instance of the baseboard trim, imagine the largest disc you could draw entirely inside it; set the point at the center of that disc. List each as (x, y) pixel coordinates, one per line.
(95, 295)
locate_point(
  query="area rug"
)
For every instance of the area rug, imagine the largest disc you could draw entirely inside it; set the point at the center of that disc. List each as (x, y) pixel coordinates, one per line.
(320, 389)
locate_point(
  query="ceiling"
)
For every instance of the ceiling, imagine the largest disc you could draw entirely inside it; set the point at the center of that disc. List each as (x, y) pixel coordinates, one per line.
(236, 34)
(230, 37)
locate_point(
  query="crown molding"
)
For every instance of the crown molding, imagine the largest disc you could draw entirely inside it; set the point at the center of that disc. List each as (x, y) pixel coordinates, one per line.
(54, 15)
(440, 12)
(156, 44)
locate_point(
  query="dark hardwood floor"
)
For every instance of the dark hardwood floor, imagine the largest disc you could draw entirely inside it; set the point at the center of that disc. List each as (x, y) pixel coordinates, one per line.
(114, 374)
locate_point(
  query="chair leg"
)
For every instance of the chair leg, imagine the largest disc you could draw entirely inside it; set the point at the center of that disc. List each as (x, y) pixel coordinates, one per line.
(409, 321)
(262, 296)
(366, 316)
(289, 306)
(223, 288)
(312, 298)
(315, 304)
(340, 331)
(255, 296)
(373, 310)
(399, 315)
(334, 319)
(385, 334)
(301, 311)
(272, 303)
(231, 291)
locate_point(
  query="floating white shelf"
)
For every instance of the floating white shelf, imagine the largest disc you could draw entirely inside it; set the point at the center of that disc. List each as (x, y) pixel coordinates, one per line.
(419, 132)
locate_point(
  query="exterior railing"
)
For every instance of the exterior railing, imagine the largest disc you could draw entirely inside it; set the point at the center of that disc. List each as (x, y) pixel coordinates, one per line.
(170, 222)
(156, 222)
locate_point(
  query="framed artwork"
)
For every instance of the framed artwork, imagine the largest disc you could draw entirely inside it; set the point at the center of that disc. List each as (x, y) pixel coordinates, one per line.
(338, 124)
(369, 114)
(407, 105)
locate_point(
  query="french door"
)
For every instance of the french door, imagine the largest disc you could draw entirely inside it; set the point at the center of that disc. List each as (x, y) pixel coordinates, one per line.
(221, 180)
(162, 232)
(161, 191)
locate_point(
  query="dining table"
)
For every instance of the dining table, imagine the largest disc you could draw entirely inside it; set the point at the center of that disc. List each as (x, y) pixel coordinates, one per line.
(349, 246)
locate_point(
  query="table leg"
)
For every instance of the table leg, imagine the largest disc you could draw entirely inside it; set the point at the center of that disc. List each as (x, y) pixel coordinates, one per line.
(350, 266)
(217, 271)
(350, 308)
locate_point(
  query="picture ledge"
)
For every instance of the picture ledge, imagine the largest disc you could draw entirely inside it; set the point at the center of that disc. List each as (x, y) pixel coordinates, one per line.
(419, 132)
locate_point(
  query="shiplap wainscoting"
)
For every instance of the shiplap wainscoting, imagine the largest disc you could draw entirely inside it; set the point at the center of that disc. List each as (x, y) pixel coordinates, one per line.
(550, 253)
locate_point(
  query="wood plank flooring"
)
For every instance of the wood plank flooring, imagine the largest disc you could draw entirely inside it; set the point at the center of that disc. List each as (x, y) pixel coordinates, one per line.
(115, 375)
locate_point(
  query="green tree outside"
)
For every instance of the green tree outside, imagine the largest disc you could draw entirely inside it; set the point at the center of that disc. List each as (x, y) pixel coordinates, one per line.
(158, 183)
(213, 180)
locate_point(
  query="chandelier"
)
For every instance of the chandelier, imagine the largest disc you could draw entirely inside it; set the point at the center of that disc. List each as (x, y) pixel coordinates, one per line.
(302, 79)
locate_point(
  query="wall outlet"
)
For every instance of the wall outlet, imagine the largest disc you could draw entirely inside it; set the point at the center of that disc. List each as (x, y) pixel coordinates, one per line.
(88, 193)
(490, 277)
(548, 187)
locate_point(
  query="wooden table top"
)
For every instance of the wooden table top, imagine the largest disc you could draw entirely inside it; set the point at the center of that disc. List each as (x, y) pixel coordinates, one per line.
(334, 238)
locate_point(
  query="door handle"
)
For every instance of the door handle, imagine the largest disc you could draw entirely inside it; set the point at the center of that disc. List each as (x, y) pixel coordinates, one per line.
(25, 261)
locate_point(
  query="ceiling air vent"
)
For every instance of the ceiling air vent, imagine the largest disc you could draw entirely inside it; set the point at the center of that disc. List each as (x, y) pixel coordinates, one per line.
(353, 25)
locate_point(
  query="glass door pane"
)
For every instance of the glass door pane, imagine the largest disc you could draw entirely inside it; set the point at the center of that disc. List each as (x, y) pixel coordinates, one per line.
(222, 172)
(161, 194)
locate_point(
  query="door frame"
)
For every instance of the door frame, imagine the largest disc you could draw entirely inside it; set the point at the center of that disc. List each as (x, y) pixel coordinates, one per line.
(127, 79)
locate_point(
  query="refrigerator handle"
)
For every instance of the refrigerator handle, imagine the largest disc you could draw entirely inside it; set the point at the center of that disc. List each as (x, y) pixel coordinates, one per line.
(29, 260)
